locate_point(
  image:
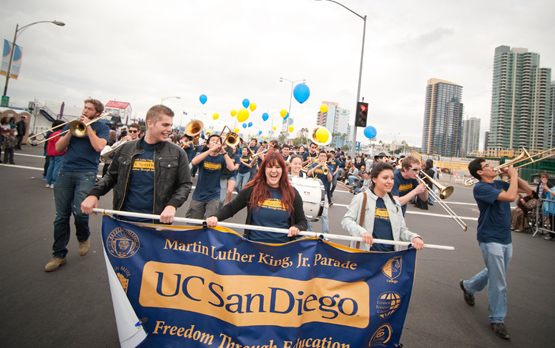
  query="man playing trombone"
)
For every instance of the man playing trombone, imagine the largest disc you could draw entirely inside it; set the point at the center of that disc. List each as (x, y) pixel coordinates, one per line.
(494, 199)
(76, 178)
(406, 186)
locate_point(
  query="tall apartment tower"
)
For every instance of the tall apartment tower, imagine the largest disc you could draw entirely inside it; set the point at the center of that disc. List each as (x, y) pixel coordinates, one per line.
(552, 114)
(442, 131)
(471, 136)
(520, 102)
(336, 120)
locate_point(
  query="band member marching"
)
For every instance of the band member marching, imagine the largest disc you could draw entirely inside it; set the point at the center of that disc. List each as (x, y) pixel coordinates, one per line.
(321, 171)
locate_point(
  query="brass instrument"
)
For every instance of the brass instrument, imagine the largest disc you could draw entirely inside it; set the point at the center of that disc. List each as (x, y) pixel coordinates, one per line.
(315, 140)
(193, 130)
(108, 150)
(445, 192)
(523, 157)
(252, 155)
(41, 138)
(77, 128)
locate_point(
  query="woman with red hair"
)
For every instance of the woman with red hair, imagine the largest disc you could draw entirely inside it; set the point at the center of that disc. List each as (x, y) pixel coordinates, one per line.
(271, 201)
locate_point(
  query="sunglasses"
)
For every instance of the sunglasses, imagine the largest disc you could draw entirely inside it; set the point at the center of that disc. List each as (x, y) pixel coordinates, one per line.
(415, 169)
(133, 131)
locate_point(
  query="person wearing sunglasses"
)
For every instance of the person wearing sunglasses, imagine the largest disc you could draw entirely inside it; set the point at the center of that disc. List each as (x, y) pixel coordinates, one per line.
(494, 199)
(133, 133)
(406, 186)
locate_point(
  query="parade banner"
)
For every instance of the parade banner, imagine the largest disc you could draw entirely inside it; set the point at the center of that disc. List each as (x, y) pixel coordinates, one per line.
(16, 61)
(202, 287)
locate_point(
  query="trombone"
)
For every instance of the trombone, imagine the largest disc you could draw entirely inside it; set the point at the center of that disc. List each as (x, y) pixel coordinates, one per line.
(193, 130)
(445, 192)
(315, 140)
(524, 156)
(77, 128)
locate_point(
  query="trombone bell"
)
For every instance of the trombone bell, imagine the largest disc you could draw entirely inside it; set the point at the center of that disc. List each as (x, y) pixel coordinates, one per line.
(231, 139)
(194, 128)
(78, 128)
(318, 131)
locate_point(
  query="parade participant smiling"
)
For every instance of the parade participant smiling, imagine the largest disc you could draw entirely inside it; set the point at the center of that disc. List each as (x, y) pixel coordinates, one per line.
(383, 218)
(271, 202)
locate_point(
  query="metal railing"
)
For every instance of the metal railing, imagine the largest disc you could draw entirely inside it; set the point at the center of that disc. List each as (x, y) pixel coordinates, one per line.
(544, 220)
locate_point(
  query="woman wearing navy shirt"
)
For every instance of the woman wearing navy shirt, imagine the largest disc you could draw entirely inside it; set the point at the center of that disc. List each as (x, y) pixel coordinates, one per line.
(383, 217)
(271, 202)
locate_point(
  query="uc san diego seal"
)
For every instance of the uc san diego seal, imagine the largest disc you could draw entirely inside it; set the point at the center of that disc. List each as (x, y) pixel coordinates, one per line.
(122, 243)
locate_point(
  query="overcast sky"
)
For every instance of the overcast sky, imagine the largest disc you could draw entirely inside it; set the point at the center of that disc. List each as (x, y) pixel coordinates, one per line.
(142, 51)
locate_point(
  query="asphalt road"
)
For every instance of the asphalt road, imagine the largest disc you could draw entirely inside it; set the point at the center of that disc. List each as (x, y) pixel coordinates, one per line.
(71, 307)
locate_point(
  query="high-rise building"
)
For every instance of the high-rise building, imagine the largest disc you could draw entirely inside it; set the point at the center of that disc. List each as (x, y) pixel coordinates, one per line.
(552, 114)
(442, 131)
(336, 120)
(520, 102)
(471, 136)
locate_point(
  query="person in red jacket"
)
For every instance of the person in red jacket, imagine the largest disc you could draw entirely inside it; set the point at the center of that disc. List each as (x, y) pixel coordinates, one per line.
(56, 157)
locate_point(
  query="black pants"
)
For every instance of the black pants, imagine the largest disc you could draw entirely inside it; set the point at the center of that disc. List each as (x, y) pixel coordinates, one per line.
(8, 156)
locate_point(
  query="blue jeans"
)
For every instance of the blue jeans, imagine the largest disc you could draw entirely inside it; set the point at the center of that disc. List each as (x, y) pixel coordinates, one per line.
(496, 257)
(69, 192)
(53, 169)
(352, 179)
(323, 218)
(242, 179)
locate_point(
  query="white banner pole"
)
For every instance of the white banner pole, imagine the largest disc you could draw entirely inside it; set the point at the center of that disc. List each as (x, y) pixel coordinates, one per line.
(266, 229)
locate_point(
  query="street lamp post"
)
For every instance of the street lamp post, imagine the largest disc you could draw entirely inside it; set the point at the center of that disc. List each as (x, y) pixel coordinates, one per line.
(18, 31)
(162, 101)
(292, 85)
(359, 73)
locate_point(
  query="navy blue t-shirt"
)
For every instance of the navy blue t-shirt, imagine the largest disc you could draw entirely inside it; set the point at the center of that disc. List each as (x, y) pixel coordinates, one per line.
(80, 155)
(271, 213)
(233, 174)
(320, 175)
(333, 163)
(402, 186)
(382, 227)
(210, 173)
(307, 154)
(494, 223)
(243, 168)
(140, 192)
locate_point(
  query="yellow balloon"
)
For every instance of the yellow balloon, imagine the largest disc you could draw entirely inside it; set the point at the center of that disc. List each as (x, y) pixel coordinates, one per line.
(233, 113)
(283, 113)
(208, 132)
(263, 137)
(322, 135)
(324, 108)
(252, 106)
(242, 115)
(291, 129)
(215, 116)
(274, 128)
(236, 130)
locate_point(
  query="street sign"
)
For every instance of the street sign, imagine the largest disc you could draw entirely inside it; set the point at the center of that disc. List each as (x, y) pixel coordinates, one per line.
(5, 101)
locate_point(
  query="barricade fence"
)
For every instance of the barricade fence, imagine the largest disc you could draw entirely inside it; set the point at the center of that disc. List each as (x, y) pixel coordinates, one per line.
(543, 217)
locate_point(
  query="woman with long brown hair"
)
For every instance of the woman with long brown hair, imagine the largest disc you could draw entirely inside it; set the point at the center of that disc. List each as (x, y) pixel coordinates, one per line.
(271, 201)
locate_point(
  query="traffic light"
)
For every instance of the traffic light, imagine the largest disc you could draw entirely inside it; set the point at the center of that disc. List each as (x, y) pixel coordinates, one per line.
(361, 115)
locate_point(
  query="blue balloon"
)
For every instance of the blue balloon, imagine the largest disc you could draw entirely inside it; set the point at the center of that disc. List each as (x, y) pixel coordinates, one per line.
(203, 98)
(301, 92)
(265, 116)
(250, 124)
(259, 132)
(246, 103)
(285, 118)
(244, 125)
(370, 132)
(290, 121)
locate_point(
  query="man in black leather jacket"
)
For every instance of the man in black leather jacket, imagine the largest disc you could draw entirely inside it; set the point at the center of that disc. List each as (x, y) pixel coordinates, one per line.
(149, 175)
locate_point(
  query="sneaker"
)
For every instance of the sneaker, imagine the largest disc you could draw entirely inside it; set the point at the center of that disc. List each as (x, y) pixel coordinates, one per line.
(500, 330)
(468, 298)
(54, 264)
(52, 186)
(84, 247)
(47, 186)
(547, 238)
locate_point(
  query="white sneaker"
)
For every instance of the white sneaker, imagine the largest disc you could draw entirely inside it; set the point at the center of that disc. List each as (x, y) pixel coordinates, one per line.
(47, 186)
(52, 186)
